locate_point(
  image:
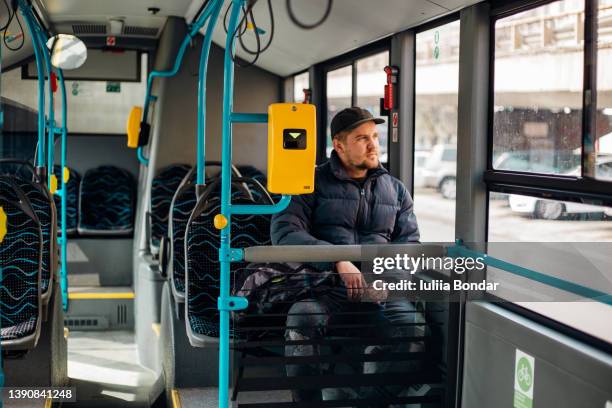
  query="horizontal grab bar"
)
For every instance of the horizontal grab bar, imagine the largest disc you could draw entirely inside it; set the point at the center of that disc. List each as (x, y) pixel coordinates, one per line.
(334, 253)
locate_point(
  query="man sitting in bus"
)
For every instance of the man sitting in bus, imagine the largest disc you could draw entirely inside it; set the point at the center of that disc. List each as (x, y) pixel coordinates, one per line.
(355, 202)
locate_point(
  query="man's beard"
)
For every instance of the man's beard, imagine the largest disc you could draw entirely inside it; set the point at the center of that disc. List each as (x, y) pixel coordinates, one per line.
(366, 165)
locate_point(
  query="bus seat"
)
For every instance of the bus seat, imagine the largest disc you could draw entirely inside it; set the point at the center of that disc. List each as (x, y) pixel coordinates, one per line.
(106, 206)
(72, 200)
(40, 199)
(181, 207)
(20, 253)
(163, 189)
(256, 174)
(202, 256)
(251, 172)
(42, 203)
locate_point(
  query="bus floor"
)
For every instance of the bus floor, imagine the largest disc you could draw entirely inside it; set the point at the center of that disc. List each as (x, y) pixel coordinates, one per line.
(104, 368)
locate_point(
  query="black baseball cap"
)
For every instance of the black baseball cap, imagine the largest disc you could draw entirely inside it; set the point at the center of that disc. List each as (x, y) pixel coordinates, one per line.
(350, 118)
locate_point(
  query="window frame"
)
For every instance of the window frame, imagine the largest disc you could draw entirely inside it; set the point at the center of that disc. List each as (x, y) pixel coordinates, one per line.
(292, 78)
(583, 188)
(431, 25)
(347, 59)
(549, 322)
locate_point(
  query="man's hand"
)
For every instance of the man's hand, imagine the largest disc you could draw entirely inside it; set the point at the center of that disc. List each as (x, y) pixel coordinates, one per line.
(353, 280)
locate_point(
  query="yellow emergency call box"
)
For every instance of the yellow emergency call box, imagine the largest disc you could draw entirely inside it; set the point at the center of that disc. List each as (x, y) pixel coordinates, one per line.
(133, 127)
(292, 148)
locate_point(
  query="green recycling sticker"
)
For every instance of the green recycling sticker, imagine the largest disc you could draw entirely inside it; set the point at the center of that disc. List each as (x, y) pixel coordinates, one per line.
(524, 375)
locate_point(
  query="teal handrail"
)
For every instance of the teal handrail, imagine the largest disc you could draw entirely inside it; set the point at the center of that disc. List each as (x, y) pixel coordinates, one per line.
(193, 30)
(30, 23)
(225, 302)
(459, 250)
(40, 41)
(61, 192)
(262, 209)
(63, 240)
(39, 38)
(141, 158)
(201, 138)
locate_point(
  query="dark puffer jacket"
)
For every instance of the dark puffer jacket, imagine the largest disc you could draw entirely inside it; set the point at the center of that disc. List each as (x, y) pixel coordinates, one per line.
(343, 212)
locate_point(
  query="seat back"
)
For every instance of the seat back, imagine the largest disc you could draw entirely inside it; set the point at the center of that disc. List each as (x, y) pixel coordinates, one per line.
(181, 207)
(72, 200)
(107, 202)
(163, 188)
(21, 262)
(256, 174)
(202, 241)
(41, 202)
(43, 206)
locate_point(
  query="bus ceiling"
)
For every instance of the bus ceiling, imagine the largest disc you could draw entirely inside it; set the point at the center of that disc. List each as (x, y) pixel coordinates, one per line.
(137, 24)
(350, 25)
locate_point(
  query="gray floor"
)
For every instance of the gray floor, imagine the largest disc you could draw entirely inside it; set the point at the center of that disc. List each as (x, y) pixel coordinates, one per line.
(209, 397)
(104, 368)
(84, 279)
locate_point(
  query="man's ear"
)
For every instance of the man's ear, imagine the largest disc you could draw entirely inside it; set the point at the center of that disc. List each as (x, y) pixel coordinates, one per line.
(338, 147)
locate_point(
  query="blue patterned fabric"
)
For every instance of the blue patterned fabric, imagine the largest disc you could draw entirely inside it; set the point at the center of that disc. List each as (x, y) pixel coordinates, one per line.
(163, 189)
(42, 204)
(182, 205)
(107, 202)
(72, 200)
(256, 174)
(16, 169)
(202, 257)
(20, 259)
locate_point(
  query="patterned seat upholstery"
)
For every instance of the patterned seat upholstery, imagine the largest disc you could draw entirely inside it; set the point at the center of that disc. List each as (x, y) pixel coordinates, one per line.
(202, 256)
(22, 174)
(20, 261)
(256, 174)
(72, 200)
(107, 202)
(182, 205)
(42, 203)
(180, 210)
(163, 189)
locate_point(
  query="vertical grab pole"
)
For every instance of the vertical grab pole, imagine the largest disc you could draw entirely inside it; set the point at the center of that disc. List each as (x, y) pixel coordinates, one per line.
(51, 128)
(63, 196)
(40, 40)
(40, 157)
(201, 148)
(193, 30)
(226, 161)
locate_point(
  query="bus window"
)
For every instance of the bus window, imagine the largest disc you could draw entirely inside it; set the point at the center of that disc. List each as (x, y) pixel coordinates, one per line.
(95, 106)
(537, 128)
(560, 227)
(603, 145)
(339, 96)
(371, 80)
(537, 122)
(437, 85)
(300, 82)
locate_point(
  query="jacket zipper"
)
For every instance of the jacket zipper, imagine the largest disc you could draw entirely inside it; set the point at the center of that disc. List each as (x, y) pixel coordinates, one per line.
(358, 220)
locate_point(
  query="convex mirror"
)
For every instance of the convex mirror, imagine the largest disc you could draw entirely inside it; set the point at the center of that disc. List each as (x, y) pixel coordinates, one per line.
(67, 51)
